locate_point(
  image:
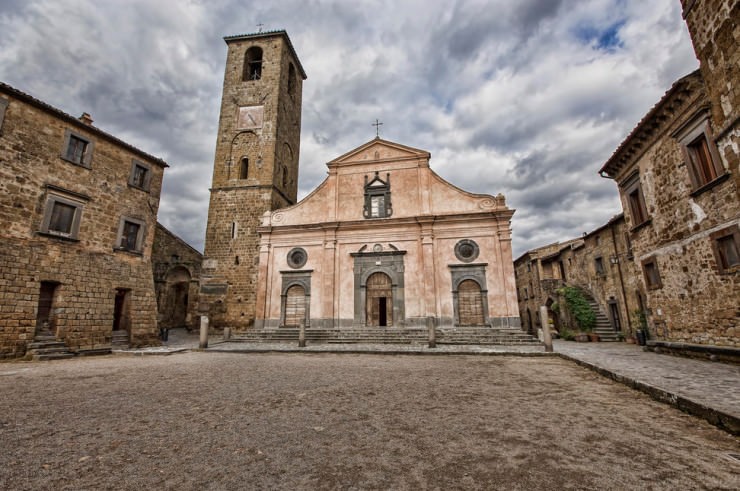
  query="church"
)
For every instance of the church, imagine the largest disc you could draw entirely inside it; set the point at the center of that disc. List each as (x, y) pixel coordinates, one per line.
(383, 242)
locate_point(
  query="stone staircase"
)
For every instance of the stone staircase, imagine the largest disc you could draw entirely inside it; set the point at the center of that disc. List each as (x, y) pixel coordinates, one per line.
(119, 340)
(603, 325)
(391, 335)
(47, 348)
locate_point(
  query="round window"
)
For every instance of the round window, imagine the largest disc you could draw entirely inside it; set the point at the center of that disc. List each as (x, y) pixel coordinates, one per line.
(467, 250)
(297, 257)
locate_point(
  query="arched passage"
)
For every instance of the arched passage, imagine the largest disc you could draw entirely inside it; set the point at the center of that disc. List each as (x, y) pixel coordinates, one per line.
(174, 310)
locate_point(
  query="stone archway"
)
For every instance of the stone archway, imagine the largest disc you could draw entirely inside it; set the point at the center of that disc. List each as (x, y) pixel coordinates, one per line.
(174, 310)
(379, 300)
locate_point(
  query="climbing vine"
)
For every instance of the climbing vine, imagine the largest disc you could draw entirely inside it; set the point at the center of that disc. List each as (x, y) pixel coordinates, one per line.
(578, 307)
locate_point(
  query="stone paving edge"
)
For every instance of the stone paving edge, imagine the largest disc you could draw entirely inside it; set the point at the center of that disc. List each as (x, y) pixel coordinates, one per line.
(720, 419)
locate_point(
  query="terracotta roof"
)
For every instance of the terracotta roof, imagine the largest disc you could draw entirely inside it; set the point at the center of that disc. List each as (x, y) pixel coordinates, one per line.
(616, 161)
(277, 32)
(71, 119)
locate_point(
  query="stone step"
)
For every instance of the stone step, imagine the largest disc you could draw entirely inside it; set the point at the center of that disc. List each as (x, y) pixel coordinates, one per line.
(52, 356)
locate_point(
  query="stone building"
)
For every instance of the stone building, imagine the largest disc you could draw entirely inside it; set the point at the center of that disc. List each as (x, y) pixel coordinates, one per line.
(255, 168)
(78, 210)
(386, 242)
(600, 264)
(177, 270)
(677, 174)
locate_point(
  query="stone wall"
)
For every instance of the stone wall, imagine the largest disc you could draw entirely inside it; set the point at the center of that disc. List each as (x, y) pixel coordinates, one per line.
(177, 270)
(87, 266)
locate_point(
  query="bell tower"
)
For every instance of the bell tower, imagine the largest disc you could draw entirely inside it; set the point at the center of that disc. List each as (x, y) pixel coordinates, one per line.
(255, 168)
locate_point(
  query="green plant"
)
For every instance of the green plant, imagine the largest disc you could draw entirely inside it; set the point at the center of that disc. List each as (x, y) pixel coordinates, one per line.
(567, 334)
(639, 319)
(579, 308)
(555, 307)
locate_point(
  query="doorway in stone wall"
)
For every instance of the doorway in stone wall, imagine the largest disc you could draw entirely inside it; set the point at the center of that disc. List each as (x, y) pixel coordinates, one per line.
(379, 300)
(44, 318)
(121, 316)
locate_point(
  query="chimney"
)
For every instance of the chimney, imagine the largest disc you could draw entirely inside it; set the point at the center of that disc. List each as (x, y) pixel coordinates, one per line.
(86, 118)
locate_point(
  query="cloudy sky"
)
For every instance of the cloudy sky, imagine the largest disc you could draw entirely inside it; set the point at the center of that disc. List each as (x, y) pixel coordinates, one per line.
(526, 98)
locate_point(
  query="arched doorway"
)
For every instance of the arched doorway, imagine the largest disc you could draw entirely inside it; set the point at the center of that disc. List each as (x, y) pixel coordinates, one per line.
(379, 300)
(295, 306)
(175, 308)
(470, 303)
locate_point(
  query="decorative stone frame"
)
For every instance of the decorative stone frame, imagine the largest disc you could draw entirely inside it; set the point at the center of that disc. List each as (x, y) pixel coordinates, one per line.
(70, 198)
(147, 177)
(375, 188)
(139, 249)
(475, 272)
(291, 278)
(294, 258)
(86, 157)
(459, 250)
(389, 263)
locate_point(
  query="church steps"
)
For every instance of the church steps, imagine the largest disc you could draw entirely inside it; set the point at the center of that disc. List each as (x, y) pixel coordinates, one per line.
(460, 336)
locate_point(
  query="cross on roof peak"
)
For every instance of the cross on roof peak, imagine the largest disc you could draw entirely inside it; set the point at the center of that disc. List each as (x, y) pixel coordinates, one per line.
(377, 125)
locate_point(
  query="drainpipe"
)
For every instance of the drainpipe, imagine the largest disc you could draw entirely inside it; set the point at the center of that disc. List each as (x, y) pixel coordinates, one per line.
(621, 281)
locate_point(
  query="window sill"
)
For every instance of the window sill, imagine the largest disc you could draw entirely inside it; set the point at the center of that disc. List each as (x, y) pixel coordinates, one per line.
(78, 164)
(128, 251)
(133, 186)
(710, 185)
(640, 226)
(52, 235)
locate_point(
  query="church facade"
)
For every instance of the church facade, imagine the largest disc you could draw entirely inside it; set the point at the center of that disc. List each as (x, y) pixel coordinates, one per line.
(386, 242)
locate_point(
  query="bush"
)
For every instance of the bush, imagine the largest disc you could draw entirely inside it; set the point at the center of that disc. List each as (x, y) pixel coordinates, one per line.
(579, 308)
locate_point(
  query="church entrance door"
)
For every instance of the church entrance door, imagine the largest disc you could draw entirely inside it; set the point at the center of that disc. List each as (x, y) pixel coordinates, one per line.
(379, 300)
(295, 306)
(470, 304)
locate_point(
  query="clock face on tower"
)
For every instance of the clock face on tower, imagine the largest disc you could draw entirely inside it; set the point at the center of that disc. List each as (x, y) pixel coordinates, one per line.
(249, 117)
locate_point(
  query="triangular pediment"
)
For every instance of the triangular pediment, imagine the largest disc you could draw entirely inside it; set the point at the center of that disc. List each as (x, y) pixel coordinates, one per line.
(379, 150)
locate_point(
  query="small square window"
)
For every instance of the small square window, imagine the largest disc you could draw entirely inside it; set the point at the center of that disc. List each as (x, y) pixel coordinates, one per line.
(599, 266)
(77, 149)
(131, 235)
(725, 245)
(141, 175)
(652, 275)
(62, 216)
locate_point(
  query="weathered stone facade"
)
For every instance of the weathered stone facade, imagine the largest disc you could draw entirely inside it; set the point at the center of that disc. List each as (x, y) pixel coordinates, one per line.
(78, 211)
(385, 242)
(177, 270)
(600, 263)
(255, 168)
(678, 178)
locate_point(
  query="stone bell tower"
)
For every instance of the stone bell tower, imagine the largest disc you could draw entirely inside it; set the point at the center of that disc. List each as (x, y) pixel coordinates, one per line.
(255, 168)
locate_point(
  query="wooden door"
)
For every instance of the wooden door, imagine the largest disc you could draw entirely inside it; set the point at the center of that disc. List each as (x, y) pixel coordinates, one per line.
(379, 300)
(470, 304)
(295, 306)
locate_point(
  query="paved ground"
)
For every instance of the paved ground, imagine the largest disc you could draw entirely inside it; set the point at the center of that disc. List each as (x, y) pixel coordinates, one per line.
(204, 420)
